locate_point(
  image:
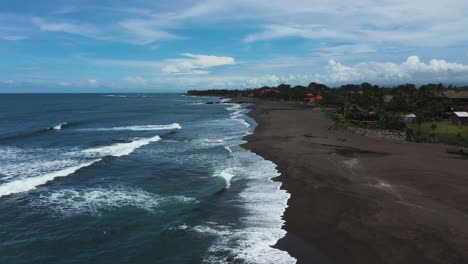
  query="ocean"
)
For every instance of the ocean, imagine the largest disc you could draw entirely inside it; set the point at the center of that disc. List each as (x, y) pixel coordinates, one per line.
(134, 178)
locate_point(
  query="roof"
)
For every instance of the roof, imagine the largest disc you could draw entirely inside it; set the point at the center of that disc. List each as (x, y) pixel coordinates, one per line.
(461, 114)
(409, 115)
(454, 94)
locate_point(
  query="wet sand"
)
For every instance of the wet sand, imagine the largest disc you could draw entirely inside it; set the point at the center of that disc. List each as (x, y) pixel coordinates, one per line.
(363, 200)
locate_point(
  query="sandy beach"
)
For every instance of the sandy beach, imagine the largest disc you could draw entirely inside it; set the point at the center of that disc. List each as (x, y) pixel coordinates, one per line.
(362, 200)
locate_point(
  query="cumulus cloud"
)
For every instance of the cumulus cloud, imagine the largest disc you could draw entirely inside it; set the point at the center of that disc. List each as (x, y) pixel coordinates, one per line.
(411, 70)
(195, 64)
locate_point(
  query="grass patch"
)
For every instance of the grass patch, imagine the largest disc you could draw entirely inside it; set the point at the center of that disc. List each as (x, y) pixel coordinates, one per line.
(444, 131)
(333, 115)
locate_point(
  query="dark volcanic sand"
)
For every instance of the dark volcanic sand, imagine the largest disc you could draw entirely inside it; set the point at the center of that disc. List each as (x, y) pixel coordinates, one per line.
(362, 200)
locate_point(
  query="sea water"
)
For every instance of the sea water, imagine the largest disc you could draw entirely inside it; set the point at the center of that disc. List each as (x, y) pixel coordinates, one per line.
(134, 178)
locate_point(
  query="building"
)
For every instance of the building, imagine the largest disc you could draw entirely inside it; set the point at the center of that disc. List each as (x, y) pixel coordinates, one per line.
(460, 118)
(409, 119)
(459, 98)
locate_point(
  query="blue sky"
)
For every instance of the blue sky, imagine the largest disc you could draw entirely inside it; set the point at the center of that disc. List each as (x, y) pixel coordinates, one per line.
(143, 45)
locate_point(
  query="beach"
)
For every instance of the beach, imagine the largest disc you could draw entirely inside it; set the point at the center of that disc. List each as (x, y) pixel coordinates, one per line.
(356, 199)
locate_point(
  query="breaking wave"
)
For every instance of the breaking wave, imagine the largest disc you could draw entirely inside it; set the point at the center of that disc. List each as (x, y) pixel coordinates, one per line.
(227, 175)
(95, 154)
(120, 149)
(58, 127)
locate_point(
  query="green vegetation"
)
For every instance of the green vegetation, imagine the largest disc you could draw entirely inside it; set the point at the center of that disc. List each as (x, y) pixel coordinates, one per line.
(371, 106)
(333, 115)
(441, 131)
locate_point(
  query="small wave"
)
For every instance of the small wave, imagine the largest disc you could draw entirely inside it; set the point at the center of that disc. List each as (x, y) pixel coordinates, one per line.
(120, 149)
(234, 107)
(36, 133)
(115, 95)
(227, 175)
(58, 127)
(137, 128)
(228, 148)
(242, 121)
(237, 113)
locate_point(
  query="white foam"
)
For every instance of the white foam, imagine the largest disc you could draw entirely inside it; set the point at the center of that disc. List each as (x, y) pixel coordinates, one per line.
(32, 167)
(228, 148)
(120, 149)
(261, 225)
(68, 202)
(208, 142)
(234, 107)
(137, 128)
(237, 113)
(59, 126)
(243, 121)
(227, 175)
(31, 175)
(210, 230)
(182, 227)
(26, 184)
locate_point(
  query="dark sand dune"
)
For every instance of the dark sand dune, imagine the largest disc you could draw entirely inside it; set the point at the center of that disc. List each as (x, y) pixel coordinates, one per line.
(363, 200)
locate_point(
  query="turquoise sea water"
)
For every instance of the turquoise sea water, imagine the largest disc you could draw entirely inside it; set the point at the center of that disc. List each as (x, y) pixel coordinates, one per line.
(133, 178)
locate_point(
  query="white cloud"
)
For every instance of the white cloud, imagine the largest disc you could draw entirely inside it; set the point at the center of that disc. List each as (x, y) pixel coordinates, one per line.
(415, 23)
(345, 49)
(66, 27)
(12, 37)
(146, 31)
(195, 64)
(136, 81)
(411, 70)
(93, 83)
(64, 84)
(309, 32)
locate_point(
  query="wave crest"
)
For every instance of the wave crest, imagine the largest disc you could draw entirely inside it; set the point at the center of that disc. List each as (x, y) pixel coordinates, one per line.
(95, 154)
(137, 128)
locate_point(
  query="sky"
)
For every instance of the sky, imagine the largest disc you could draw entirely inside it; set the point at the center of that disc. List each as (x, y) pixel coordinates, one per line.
(174, 46)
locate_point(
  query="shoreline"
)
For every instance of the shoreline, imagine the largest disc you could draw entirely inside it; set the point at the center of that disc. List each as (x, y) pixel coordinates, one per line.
(361, 200)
